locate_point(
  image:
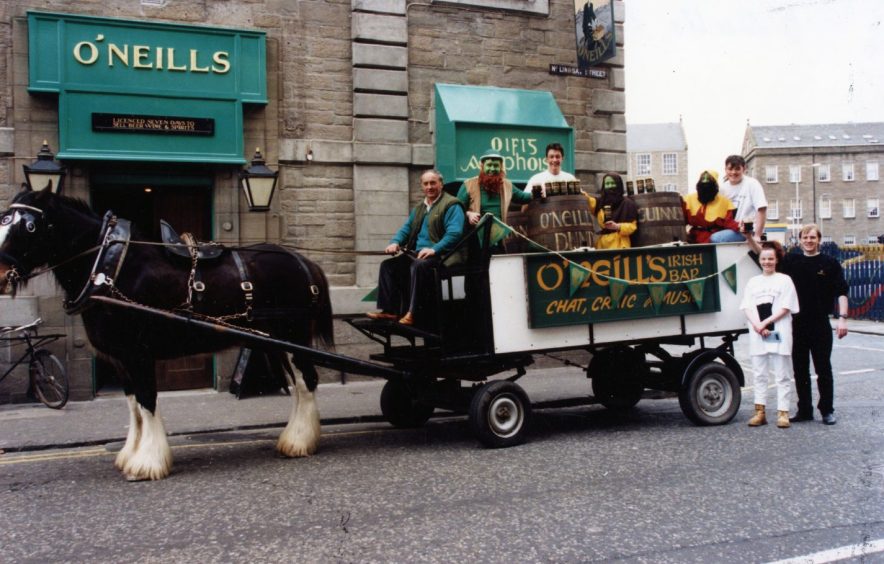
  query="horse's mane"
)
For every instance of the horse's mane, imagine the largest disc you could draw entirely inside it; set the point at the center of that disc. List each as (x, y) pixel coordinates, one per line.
(76, 204)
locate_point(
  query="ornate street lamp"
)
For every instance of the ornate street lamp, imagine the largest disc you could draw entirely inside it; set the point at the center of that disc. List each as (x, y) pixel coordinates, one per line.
(45, 170)
(258, 183)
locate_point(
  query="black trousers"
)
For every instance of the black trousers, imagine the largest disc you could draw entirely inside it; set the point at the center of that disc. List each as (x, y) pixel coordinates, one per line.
(405, 284)
(813, 339)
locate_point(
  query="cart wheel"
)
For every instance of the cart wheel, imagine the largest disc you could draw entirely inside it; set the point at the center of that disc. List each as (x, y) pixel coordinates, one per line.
(499, 414)
(711, 395)
(616, 378)
(49, 379)
(400, 407)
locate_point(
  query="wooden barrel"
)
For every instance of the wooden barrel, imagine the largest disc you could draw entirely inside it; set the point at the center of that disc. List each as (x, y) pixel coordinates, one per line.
(518, 220)
(660, 219)
(561, 223)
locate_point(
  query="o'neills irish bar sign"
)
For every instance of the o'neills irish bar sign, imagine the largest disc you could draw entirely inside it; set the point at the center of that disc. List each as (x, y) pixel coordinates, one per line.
(592, 287)
(146, 91)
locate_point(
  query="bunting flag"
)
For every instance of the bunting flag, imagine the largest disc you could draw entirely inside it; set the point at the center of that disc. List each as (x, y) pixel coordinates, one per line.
(696, 288)
(499, 232)
(371, 296)
(578, 275)
(657, 292)
(616, 287)
(730, 276)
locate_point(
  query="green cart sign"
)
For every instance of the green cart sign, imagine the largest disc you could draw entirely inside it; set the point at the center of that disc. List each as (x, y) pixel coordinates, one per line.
(593, 287)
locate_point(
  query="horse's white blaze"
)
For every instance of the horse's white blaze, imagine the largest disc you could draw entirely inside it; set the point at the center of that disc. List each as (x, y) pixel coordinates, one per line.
(152, 459)
(4, 231)
(132, 437)
(301, 435)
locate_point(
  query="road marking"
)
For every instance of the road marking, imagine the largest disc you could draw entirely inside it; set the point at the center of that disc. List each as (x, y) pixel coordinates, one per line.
(860, 371)
(835, 554)
(101, 451)
(858, 348)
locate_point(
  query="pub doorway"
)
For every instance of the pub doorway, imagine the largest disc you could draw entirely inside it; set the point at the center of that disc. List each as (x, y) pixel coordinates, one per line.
(185, 202)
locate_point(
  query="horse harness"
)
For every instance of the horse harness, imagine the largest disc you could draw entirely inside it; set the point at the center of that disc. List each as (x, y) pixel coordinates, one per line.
(113, 241)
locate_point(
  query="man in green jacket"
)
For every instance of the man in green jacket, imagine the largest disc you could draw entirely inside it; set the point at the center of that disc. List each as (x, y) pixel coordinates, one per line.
(433, 227)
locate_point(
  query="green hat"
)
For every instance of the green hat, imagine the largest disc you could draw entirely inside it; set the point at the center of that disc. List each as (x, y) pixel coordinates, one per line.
(490, 154)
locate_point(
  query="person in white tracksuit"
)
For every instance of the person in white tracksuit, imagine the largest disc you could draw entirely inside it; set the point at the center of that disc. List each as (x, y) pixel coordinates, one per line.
(769, 301)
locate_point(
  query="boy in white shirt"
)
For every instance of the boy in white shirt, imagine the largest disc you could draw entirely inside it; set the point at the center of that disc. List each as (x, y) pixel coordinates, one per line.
(747, 195)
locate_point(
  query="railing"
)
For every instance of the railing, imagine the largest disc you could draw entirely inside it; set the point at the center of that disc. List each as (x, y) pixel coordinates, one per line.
(864, 270)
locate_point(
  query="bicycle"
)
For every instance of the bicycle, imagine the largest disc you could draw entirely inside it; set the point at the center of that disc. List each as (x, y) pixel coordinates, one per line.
(47, 376)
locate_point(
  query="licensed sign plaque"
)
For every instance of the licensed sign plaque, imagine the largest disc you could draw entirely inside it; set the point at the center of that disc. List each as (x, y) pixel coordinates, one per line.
(592, 287)
(163, 125)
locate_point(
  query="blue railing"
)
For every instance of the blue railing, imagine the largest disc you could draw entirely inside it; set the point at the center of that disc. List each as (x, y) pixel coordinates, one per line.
(864, 270)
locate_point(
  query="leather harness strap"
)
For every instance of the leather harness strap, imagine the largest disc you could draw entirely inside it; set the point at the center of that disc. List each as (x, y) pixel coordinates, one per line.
(244, 284)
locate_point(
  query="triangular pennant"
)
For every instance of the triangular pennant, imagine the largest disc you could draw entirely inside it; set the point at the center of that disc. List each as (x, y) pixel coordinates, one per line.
(499, 232)
(696, 288)
(730, 276)
(616, 287)
(371, 296)
(578, 275)
(657, 292)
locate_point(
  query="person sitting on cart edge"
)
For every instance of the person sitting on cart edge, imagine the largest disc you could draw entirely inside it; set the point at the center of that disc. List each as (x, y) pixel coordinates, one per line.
(433, 228)
(707, 210)
(621, 221)
(490, 191)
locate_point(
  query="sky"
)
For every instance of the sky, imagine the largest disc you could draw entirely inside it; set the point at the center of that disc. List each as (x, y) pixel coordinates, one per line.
(717, 64)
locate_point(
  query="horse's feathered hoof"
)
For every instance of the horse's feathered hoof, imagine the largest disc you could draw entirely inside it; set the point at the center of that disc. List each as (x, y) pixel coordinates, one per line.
(145, 473)
(295, 451)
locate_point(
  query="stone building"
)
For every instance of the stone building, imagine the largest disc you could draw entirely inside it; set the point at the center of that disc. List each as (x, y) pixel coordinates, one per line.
(823, 173)
(343, 98)
(658, 151)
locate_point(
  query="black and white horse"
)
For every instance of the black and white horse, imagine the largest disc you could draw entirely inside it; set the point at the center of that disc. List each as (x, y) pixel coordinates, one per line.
(262, 287)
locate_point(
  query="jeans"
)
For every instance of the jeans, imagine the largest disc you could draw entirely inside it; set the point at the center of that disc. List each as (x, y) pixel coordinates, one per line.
(727, 236)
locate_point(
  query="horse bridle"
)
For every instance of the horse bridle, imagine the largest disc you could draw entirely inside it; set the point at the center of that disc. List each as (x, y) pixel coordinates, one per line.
(17, 265)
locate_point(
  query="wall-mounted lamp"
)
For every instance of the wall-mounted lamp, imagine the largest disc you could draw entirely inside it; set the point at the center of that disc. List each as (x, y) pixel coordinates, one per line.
(258, 183)
(45, 170)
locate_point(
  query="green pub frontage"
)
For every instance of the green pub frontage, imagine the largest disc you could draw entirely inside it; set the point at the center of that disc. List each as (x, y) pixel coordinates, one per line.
(180, 113)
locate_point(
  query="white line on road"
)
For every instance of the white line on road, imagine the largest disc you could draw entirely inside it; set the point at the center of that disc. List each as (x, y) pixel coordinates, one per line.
(860, 371)
(835, 554)
(858, 348)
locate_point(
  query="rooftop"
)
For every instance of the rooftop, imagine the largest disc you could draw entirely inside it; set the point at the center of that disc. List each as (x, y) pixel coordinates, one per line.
(649, 137)
(816, 135)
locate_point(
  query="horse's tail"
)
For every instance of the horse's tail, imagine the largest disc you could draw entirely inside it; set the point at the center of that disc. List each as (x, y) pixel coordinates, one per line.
(323, 325)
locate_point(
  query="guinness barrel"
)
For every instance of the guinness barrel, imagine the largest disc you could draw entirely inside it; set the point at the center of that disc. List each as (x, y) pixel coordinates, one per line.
(660, 219)
(561, 223)
(518, 220)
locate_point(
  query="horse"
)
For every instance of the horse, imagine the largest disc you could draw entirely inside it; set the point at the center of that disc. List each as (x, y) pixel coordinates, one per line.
(261, 288)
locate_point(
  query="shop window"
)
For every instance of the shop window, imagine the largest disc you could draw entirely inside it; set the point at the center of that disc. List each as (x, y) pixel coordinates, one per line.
(770, 174)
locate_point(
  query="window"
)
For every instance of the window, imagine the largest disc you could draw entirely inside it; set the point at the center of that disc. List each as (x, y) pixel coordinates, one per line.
(849, 208)
(770, 174)
(825, 207)
(643, 164)
(850, 239)
(871, 240)
(872, 207)
(872, 171)
(773, 209)
(670, 187)
(824, 173)
(795, 210)
(670, 163)
(794, 173)
(847, 172)
(826, 239)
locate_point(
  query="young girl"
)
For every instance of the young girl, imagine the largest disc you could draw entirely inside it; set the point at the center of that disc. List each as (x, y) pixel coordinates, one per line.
(769, 302)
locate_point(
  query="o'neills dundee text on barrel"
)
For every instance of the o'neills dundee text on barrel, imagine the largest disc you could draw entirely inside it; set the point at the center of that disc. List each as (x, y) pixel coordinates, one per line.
(660, 219)
(561, 223)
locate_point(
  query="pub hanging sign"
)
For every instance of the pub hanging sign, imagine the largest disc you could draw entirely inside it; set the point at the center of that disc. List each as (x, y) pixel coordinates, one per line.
(163, 125)
(594, 31)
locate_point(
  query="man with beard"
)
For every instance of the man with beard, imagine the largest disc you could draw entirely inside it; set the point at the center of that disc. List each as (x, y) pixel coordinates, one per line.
(621, 219)
(707, 211)
(433, 227)
(490, 192)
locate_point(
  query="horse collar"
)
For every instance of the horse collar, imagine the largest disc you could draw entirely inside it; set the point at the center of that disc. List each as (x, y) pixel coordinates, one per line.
(114, 242)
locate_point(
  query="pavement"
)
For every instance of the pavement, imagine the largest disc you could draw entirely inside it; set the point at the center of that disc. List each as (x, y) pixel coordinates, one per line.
(29, 427)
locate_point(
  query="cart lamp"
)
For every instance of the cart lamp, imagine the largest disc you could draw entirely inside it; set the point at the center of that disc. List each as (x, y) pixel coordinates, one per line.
(258, 183)
(45, 170)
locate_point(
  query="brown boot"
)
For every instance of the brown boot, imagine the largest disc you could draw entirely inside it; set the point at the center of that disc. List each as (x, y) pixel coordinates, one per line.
(759, 418)
(783, 420)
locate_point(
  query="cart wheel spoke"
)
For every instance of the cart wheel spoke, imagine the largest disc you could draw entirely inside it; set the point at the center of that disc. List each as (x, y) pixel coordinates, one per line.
(49, 379)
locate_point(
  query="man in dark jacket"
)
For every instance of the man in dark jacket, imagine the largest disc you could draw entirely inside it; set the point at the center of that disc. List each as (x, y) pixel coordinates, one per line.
(433, 228)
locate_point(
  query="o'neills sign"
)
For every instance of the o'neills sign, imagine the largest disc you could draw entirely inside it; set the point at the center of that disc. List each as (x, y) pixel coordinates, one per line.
(592, 287)
(147, 91)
